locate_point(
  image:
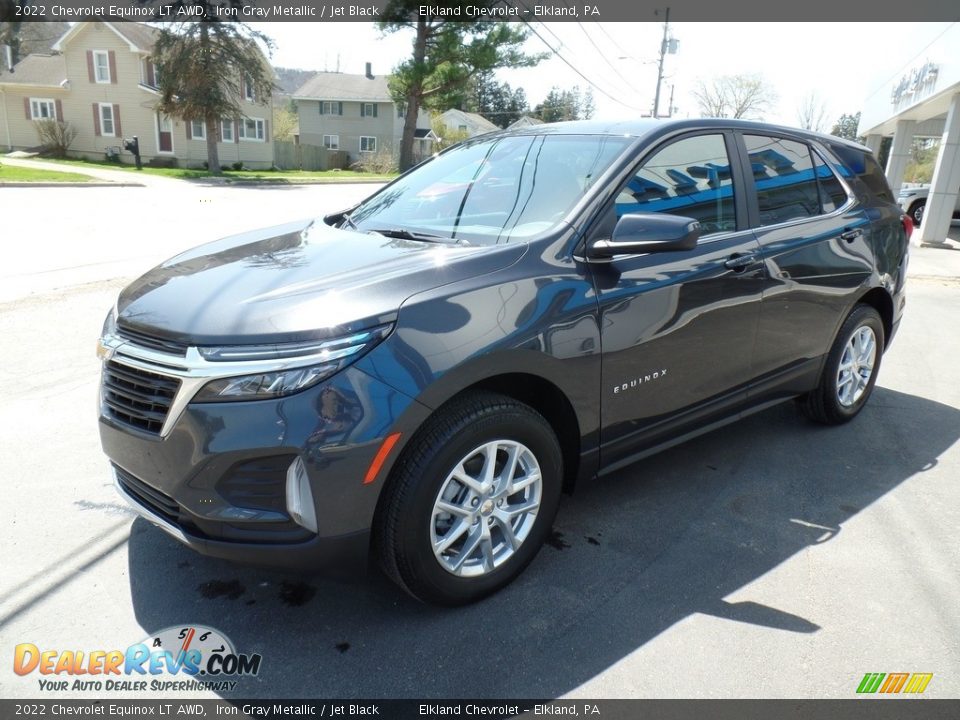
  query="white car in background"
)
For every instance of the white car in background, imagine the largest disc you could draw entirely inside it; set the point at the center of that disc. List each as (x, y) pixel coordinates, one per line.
(913, 200)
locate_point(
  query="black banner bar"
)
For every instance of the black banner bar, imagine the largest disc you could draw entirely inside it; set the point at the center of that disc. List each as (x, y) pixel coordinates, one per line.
(508, 10)
(873, 708)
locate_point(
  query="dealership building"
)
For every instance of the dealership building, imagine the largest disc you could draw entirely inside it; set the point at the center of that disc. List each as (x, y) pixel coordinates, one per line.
(923, 101)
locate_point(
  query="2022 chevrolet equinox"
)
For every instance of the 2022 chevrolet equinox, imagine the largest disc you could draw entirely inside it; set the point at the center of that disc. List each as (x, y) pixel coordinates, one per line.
(421, 376)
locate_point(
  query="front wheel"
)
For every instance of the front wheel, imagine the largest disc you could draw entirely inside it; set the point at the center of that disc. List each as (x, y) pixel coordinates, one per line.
(470, 501)
(850, 371)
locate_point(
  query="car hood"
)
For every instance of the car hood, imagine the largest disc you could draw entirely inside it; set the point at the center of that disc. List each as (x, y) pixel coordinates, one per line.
(292, 282)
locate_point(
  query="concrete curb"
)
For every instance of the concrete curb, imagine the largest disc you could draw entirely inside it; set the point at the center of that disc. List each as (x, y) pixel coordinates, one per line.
(97, 183)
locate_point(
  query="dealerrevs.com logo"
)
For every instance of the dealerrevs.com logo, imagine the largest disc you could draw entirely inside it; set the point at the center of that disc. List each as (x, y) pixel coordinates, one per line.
(894, 683)
(195, 656)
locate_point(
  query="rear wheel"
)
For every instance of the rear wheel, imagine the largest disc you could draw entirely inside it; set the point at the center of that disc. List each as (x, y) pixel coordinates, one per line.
(850, 371)
(471, 500)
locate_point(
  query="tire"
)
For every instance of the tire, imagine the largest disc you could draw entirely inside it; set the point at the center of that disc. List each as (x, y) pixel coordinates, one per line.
(850, 372)
(916, 212)
(443, 469)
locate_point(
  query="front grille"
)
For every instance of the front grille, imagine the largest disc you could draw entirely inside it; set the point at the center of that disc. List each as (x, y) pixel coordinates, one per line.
(150, 497)
(151, 341)
(137, 398)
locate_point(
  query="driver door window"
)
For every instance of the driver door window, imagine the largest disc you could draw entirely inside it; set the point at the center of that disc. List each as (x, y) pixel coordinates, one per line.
(690, 177)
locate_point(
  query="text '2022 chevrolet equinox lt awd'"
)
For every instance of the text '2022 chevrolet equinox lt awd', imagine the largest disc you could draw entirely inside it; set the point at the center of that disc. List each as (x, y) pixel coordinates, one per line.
(420, 377)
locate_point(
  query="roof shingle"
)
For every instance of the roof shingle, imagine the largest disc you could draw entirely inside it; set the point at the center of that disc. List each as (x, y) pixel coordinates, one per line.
(36, 69)
(344, 86)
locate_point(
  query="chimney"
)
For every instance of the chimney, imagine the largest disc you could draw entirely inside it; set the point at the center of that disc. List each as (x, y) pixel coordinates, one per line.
(369, 72)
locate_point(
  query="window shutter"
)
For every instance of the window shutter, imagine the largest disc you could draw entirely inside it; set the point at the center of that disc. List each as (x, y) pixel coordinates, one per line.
(321, 107)
(188, 125)
(26, 108)
(90, 66)
(339, 108)
(116, 121)
(374, 109)
(266, 131)
(363, 110)
(236, 131)
(113, 66)
(96, 120)
(59, 111)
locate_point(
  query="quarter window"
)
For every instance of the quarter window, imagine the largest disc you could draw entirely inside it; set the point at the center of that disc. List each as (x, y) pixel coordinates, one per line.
(368, 144)
(101, 66)
(833, 196)
(42, 109)
(690, 177)
(331, 142)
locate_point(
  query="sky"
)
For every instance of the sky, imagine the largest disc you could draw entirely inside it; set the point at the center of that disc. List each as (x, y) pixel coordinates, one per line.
(842, 63)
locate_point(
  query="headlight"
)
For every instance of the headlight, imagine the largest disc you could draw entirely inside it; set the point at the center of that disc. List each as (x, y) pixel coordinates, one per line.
(109, 328)
(311, 362)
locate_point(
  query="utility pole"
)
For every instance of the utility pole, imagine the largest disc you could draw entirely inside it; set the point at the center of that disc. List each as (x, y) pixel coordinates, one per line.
(663, 52)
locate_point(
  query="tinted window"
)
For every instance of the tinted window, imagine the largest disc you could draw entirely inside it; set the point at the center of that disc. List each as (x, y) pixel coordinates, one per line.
(862, 164)
(690, 177)
(493, 190)
(832, 194)
(784, 177)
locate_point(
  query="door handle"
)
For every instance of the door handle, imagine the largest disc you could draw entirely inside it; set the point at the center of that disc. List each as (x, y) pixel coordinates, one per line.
(851, 235)
(739, 262)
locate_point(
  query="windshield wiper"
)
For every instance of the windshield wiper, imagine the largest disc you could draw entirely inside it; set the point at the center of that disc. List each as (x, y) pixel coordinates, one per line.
(404, 234)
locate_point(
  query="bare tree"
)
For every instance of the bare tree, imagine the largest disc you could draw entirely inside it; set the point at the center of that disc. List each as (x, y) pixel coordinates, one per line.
(812, 112)
(735, 96)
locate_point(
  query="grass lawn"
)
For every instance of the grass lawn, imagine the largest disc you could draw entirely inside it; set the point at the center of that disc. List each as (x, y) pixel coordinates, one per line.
(279, 176)
(11, 173)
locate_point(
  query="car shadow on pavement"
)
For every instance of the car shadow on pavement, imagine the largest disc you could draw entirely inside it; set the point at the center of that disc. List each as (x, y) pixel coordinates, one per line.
(629, 557)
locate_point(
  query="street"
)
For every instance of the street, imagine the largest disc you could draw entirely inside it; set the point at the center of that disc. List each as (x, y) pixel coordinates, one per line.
(771, 558)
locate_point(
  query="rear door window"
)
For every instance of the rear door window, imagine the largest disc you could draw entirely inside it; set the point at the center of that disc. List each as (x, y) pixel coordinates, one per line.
(785, 179)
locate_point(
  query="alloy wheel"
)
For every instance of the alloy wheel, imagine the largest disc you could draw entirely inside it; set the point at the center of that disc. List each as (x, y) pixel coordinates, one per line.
(856, 365)
(486, 508)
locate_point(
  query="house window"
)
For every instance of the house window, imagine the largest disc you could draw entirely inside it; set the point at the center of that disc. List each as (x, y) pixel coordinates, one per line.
(43, 109)
(401, 110)
(251, 129)
(368, 109)
(462, 128)
(248, 92)
(198, 129)
(368, 144)
(328, 107)
(101, 66)
(331, 142)
(226, 130)
(151, 76)
(106, 120)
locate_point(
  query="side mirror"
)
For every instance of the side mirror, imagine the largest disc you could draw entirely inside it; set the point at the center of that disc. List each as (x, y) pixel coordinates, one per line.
(645, 233)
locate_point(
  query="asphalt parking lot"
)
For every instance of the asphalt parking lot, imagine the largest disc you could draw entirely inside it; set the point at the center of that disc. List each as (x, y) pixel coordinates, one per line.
(772, 558)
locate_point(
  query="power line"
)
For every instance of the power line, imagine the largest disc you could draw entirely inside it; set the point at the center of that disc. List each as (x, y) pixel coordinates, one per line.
(575, 69)
(605, 58)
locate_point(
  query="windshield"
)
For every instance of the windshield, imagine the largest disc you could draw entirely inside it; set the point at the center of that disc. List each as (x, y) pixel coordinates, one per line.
(491, 191)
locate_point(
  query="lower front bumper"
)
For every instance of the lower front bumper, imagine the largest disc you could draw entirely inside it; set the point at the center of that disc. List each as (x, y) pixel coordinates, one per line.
(339, 556)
